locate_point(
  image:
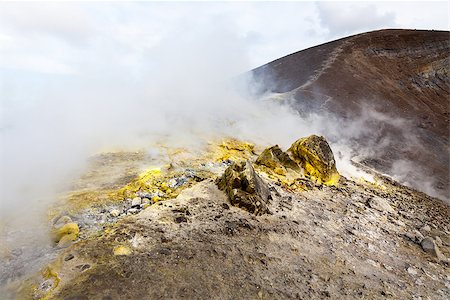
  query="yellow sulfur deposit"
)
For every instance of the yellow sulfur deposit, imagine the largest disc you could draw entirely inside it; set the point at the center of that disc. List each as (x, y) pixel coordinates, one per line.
(232, 149)
(122, 250)
(314, 155)
(68, 231)
(144, 182)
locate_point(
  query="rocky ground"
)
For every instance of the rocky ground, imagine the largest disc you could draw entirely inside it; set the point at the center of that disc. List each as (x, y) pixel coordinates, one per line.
(172, 234)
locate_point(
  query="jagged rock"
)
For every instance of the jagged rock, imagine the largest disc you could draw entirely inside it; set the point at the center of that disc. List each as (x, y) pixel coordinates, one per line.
(245, 189)
(277, 160)
(380, 204)
(314, 155)
(429, 246)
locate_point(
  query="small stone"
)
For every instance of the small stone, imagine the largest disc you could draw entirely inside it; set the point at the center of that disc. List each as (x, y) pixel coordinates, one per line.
(180, 219)
(438, 241)
(133, 211)
(414, 236)
(136, 202)
(260, 295)
(429, 246)
(380, 204)
(114, 213)
(425, 228)
(412, 271)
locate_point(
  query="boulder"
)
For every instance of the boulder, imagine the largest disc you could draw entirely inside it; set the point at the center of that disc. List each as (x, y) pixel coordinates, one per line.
(429, 246)
(314, 155)
(244, 188)
(277, 160)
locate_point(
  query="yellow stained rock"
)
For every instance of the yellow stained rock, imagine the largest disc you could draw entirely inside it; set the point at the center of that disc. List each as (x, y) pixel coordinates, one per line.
(232, 149)
(314, 155)
(67, 231)
(122, 250)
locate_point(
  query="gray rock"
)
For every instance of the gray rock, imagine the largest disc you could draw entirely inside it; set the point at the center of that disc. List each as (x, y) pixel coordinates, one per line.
(429, 246)
(177, 182)
(412, 271)
(136, 202)
(380, 204)
(114, 213)
(425, 228)
(133, 211)
(415, 236)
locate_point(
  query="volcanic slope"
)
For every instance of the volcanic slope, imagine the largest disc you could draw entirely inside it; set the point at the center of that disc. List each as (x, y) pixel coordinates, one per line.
(215, 228)
(401, 75)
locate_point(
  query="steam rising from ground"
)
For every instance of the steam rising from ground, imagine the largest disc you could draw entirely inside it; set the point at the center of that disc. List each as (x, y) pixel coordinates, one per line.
(181, 93)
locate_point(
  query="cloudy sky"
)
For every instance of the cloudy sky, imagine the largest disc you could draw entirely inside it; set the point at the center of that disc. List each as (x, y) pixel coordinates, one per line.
(68, 38)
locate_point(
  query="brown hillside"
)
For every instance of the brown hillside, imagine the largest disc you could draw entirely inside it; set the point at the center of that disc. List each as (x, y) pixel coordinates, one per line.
(401, 73)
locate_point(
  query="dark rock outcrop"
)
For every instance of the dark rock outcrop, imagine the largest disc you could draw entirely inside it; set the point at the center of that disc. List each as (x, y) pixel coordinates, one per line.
(245, 189)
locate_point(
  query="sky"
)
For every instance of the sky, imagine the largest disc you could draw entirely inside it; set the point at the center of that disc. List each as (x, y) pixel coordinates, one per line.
(72, 37)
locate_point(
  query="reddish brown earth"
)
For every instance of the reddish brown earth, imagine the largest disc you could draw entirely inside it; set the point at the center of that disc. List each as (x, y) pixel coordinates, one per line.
(404, 74)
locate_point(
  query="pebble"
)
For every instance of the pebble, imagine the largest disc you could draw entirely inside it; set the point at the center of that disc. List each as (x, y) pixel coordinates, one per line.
(414, 236)
(425, 228)
(429, 246)
(136, 202)
(380, 204)
(133, 211)
(412, 271)
(114, 213)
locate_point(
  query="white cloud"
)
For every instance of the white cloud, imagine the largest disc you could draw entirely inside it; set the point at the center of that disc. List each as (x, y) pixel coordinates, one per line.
(341, 19)
(67, 36)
